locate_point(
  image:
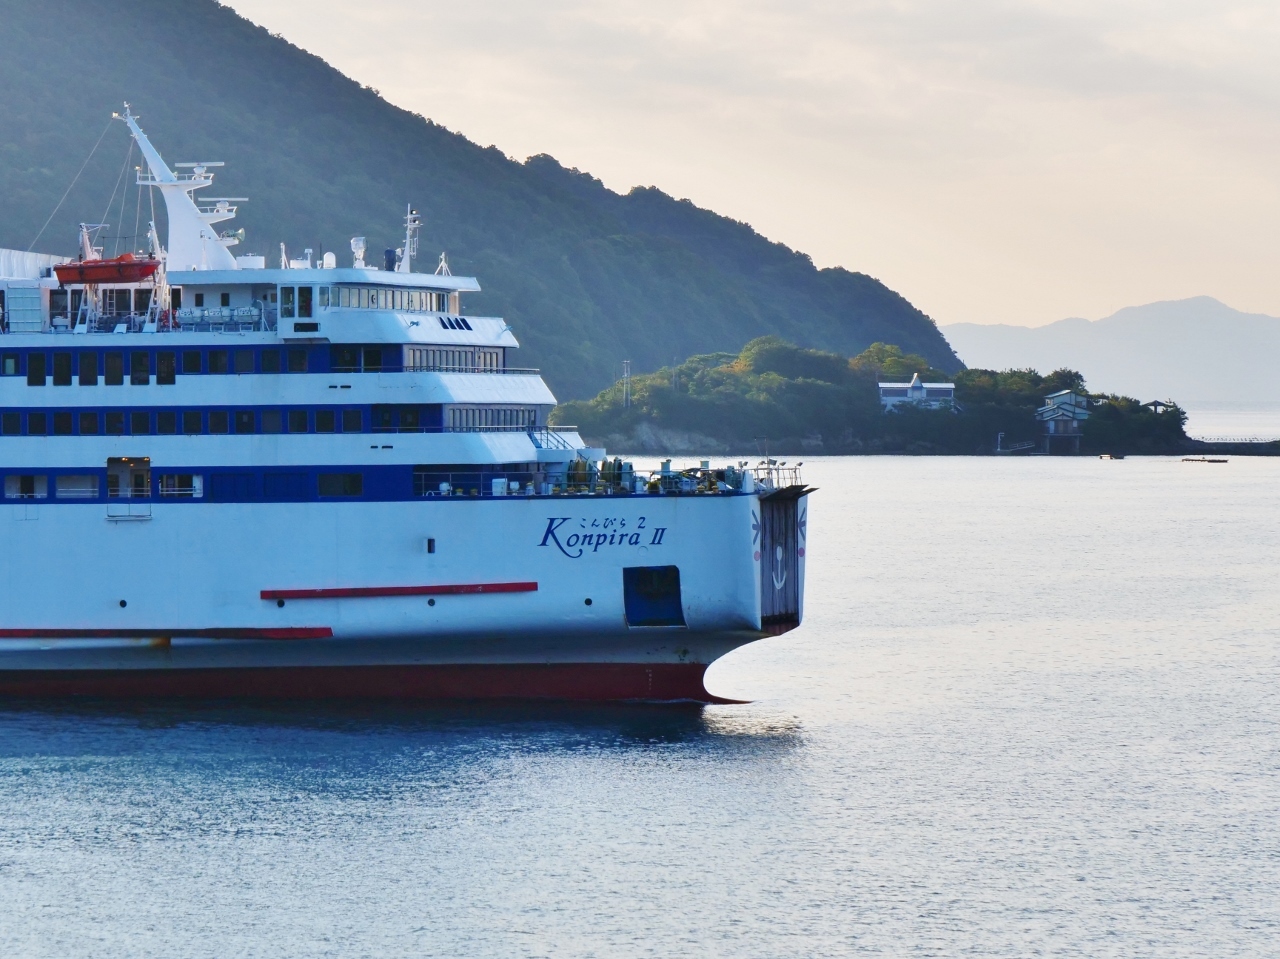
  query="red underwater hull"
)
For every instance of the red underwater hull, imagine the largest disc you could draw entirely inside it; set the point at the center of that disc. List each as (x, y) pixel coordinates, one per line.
(594, 682)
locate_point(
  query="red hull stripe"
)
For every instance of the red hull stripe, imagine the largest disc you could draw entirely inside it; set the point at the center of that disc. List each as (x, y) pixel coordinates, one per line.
(357, 592)
(597, 682)
(232, 632)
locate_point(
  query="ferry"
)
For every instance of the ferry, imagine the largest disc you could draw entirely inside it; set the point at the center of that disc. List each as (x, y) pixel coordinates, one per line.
(226, 479)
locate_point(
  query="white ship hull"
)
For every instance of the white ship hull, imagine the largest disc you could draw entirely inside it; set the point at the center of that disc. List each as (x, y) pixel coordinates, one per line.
(522, 596)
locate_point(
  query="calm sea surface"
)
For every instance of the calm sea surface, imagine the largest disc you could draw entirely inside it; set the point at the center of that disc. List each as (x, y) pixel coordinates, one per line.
(1034, 710)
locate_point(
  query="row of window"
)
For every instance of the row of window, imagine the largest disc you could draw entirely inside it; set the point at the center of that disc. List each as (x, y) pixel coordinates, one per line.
(114, 367)
(367, 298)
(139, 481)
(380, 418)
(227, 487)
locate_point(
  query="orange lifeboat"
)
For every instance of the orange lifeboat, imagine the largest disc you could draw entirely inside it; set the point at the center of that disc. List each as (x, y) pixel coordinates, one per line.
(125, 268)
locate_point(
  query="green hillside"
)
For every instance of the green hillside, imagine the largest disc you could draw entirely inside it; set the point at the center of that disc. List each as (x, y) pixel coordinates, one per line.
(587, 277)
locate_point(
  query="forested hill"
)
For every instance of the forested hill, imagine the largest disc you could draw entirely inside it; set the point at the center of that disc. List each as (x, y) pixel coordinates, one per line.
(587, 277)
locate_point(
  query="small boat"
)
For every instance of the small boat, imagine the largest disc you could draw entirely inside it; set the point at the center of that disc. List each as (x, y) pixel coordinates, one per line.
(1200, 459)
(125, 268)
(1111, 456)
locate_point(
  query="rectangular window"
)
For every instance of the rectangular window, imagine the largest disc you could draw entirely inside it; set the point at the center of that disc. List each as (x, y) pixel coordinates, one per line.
(199, 300)
(341, 484)
(225, 299)
(191, 361)
(244, 421)
(410, 418)
(167, 422)
(35, 369)
(297, 361)
(62, 423)
(191, 422)
(37, 424)
(363, 301)
(139, 369)
(26, 487)
(297, 421)
(114, 375)
(344, 359)
(271, 421)
(345, 294)
(115, 423)
(219, 421)
(217, 361)
(372, 359)
(285, 486)
(324, 297)
(175, 298)
(11, 424)
(352, 421)
(270, 360)
(182, 485)
(61, 369)
(140, 423)
(286, 301)
(9, 365)
(244, 361)
(76, 487)
(383, 421)
(89, 424)
(304, 302)
(88, 369)
(166, 368)
(233, 487)
(324, 421)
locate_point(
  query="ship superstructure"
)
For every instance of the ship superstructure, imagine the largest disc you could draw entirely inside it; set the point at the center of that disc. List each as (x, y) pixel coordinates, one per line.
(227, 478)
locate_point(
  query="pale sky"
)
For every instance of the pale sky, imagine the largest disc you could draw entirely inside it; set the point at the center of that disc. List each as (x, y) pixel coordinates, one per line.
(1015, 161)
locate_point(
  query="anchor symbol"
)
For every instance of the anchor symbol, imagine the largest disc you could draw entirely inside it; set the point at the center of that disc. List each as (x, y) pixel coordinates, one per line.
(777, 582)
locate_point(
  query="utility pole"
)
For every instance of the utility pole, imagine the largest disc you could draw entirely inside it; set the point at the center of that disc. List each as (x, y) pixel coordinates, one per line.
(626, 383)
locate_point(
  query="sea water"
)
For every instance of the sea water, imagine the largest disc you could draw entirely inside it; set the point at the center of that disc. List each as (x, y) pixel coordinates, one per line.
(1034, 709)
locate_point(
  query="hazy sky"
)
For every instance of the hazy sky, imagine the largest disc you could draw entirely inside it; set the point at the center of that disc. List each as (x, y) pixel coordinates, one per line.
(1015, 161)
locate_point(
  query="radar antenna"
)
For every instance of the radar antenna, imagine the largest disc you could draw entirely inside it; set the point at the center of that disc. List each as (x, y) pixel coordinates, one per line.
(443, 268)
(412, 224)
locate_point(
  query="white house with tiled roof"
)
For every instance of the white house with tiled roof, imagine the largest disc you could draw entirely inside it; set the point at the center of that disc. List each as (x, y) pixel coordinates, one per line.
(916, 393)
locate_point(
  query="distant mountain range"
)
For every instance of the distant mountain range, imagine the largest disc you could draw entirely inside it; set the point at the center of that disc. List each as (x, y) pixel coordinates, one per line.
(1196, 350)
(587, 277)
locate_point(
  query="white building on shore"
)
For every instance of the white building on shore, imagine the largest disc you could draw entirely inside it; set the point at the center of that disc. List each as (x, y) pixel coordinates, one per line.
(916, 393)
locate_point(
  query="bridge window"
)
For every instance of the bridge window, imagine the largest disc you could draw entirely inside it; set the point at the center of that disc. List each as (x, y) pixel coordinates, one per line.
(286, 301)
(304, 301)
(191, 361)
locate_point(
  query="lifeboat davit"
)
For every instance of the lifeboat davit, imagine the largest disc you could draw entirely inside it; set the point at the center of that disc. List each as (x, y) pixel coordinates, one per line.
(125, 268)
